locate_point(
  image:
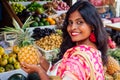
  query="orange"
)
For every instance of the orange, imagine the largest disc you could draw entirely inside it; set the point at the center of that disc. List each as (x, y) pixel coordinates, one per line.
(52, 22)
(49, 19)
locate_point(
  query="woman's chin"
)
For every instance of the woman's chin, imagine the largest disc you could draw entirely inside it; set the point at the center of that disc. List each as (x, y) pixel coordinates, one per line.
(75, 40)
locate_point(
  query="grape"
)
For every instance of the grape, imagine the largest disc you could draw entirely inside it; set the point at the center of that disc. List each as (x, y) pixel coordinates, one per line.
(17, 7)
(39, 33)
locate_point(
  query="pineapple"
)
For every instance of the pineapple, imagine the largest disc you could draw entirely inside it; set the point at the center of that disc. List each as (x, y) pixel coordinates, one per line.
(116, 76)
(112, 65)
(27, 51)
(108, 77)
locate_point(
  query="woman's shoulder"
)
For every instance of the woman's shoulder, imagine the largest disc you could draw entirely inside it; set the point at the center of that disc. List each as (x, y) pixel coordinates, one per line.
(83, 48)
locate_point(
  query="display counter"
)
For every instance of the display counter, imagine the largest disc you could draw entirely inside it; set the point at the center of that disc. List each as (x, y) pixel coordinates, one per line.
(114, 26)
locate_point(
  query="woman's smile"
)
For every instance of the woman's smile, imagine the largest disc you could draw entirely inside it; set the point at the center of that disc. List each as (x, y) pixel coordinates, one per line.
(75, 33)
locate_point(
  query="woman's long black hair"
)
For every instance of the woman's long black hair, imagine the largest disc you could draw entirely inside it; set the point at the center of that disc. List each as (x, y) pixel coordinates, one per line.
(91, 17)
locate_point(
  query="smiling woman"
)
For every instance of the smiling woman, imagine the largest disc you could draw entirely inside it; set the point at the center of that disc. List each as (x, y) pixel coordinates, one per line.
(83, 50)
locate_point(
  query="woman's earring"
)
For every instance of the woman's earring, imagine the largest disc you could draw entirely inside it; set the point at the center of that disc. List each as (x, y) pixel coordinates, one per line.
(92, 37)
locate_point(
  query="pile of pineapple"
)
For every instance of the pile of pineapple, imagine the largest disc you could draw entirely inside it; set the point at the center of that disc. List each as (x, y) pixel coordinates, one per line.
(112, 69)
(8, 61)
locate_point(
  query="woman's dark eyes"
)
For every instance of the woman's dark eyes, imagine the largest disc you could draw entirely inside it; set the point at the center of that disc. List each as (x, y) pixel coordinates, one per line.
(77, 22)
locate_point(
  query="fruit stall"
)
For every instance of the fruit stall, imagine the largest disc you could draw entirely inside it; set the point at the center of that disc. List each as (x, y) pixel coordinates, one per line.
(36, 27)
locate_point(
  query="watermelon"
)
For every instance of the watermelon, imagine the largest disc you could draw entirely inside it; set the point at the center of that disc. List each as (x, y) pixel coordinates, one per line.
(17, 76)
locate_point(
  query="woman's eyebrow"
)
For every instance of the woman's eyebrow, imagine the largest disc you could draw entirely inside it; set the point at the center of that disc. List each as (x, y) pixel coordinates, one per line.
(79, 19)
(76, 19)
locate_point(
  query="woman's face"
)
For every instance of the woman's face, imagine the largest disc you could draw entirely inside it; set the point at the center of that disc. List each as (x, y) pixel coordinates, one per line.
(77, 28)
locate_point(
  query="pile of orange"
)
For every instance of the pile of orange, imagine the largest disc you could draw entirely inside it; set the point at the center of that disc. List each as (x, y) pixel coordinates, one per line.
(51, 21)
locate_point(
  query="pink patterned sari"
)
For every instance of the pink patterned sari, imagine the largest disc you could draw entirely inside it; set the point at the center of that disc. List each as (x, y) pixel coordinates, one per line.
(76, 67)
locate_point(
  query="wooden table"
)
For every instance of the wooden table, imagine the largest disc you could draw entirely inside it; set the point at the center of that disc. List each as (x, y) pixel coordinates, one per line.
(114, 26)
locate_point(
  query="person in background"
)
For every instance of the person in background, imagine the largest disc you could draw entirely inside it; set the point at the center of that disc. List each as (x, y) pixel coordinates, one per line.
(83, 33)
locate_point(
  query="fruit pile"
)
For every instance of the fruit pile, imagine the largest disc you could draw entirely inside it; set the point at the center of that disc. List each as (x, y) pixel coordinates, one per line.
(50, 42)
(60, 19)
(35, 6)
(38, 13)
(8, 61)
(17, 7)
(115, 53)
(50, 11)
(42, 20)
(57, 5)
(39, 33)
(112, 68)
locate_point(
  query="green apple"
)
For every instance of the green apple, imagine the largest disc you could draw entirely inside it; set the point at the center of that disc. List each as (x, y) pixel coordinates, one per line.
(2, 69)
(3, 61)
(11, 60)
(1, 50)
(16, 65)
(9, 67)
(5, 56)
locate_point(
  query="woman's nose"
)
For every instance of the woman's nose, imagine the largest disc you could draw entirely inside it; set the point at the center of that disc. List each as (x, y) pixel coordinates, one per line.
(73, 26)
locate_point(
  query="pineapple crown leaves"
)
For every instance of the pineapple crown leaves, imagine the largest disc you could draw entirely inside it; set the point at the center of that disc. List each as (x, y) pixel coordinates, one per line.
(23, 34)
(24, 39)
(17, 29)
(27, 22)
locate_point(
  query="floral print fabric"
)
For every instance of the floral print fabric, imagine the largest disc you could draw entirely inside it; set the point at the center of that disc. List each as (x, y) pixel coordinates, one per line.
(76, 67)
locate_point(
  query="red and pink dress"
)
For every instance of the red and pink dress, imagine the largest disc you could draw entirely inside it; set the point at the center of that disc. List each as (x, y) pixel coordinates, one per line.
(75, 67)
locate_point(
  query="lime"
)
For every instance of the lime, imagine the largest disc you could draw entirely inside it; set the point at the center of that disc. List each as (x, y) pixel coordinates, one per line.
(37, 18)
(34, 24)
(43, 20)
(40, 24)
(46, 23)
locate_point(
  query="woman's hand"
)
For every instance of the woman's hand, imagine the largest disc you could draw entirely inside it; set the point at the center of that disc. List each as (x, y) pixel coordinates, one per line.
(29, 68)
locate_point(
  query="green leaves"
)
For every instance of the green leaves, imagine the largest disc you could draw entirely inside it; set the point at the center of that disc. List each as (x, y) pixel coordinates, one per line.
(27, 23)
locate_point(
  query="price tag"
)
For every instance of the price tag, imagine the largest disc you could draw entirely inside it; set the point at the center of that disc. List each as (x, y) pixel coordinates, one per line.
(10, 37)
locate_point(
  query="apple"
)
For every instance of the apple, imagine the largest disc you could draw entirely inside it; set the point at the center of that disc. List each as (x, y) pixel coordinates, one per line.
(5, 56)
(15, 49)
(9, 67)
(13, 55)
(1, 50)
(3, 61)
(2, 69)
(16, 65)
(11, 60)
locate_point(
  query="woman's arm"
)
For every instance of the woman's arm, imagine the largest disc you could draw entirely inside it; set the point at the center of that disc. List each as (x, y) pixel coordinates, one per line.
(44, 63)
